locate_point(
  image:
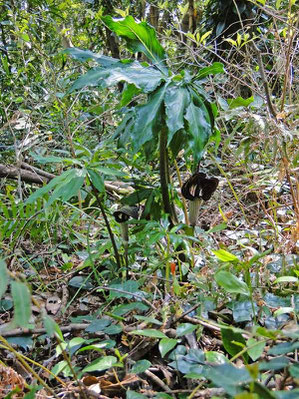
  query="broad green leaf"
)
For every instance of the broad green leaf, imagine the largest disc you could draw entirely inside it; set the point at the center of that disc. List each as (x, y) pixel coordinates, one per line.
(166, 344)
(255, 348)
(225, 256)
(283, 348)
(149, 333)
(3, 277)
(22, 304)
(176, 101)
(231, 283)
(262, 391)
(128, 93)
(240, 102)
(69, 187)
(145, 78)
(140, 366)
(63, 178)
(101, 364)
(185, 328)
(96, 180)
(233, 342)
(199, 128)
(277, 363)
(215, 357)
(140, 37)
(84, 55)
(228, 377)
(147, 119)
(98, 325)
(215, 68)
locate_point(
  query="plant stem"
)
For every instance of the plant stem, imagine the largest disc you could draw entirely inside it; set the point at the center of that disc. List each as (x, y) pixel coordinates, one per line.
(164, 177)
(116, 254)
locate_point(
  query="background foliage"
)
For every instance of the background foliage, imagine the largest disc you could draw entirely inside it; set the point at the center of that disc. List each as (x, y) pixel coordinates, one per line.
(211, 312)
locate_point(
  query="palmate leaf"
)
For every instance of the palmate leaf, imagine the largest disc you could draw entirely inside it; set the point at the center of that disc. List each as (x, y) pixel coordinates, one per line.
(176, 101)
(199, 127)
(140, 37)
(141, 125)
(145, 78)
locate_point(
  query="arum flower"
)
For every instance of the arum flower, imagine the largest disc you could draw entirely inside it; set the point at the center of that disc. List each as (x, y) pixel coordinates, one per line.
(196, 189)
(122, 215)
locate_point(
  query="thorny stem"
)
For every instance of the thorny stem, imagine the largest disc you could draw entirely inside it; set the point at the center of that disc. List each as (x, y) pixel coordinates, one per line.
(116, 254)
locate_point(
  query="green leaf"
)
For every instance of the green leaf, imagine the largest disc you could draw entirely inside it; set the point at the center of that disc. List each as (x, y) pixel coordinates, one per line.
(240, 102)
(69, 187)
(73, 178)
(22, 304)
(184, 329)
(255, 348)
(150, 320)
(134, 395)
(52, 327)
(228, 377)
(146, 119)
(215, 68)
(176, 101)
(146, 79)
(140, 366)
(225, 256)
(140, 37)
(84, 55)
(215, 357)
(231, 283)
(283, 348)
(233, 342)
(4, 278)
(149, 333)
(199, 128)
(101, 364)
(96, 180)
(166, 344)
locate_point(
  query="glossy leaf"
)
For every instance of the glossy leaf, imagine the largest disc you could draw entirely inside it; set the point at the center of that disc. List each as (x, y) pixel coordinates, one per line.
(176, 101)
(140, 37)
(22, 304)
(147, 119)
(231, 283)
(3, 277)
(199, 128)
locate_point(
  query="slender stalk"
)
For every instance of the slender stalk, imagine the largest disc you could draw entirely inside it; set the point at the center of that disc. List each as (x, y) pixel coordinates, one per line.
(116, 254)
(164, 177)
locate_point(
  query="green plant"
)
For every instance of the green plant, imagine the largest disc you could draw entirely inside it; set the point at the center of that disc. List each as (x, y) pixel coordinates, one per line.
(176, 111)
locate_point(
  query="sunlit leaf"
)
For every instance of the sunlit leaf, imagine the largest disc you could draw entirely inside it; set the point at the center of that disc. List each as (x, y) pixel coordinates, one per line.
(140, 37)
